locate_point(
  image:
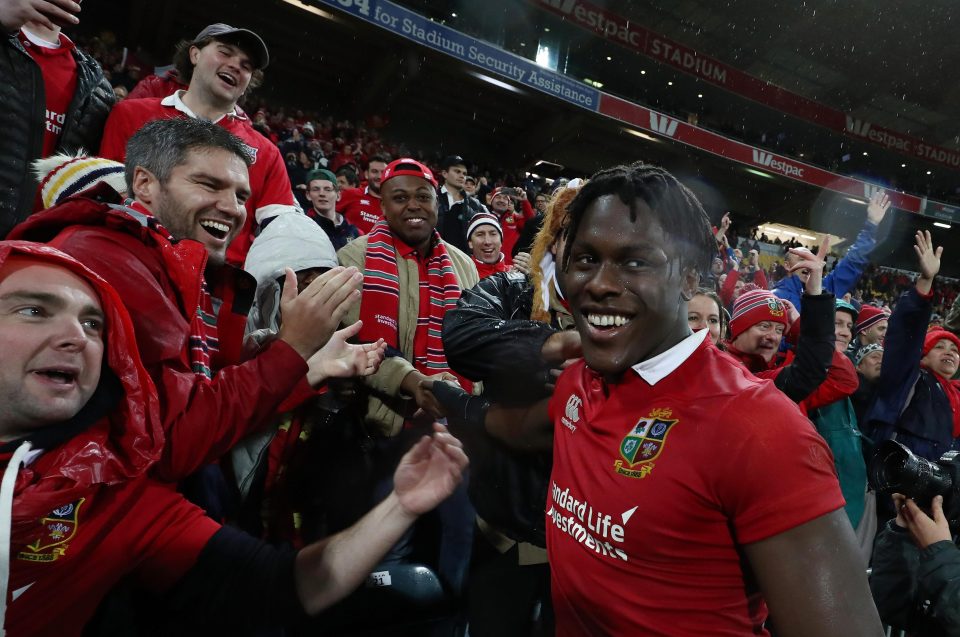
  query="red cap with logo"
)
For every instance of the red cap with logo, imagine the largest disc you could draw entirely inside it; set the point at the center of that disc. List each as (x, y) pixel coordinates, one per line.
(407, 166)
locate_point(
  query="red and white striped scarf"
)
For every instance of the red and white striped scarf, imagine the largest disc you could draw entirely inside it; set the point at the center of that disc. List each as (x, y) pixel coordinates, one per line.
(380, 303)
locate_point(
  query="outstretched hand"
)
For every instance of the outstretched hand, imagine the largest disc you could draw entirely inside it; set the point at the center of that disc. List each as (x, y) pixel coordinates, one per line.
(429, 472)
(924, 529)
(810, 266)
(311, 317)
(928, 258)
(878, 207)
(340, 359)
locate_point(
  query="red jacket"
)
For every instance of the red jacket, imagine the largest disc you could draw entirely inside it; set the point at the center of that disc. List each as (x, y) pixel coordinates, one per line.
(841, 381)
(84, 512)
(160, 283)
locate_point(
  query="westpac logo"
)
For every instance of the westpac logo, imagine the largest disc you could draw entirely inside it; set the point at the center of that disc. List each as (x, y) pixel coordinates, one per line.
(564, 5)
(663, 124)
(767, 160)
(858, 127)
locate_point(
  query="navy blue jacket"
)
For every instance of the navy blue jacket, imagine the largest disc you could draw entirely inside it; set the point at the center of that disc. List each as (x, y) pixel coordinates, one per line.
(909, 402)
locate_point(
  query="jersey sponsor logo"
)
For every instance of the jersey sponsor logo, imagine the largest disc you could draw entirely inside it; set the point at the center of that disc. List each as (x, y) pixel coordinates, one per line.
(572, 412)
(597, 531)
(57, 529)
(643, 444)
(663, 124)
(251, 152)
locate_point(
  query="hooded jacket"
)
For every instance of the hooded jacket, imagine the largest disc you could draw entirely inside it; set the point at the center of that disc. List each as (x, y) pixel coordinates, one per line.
(161, 282)
(84, 512)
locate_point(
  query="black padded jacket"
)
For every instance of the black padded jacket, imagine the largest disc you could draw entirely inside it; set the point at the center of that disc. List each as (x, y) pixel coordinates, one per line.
(23, 120)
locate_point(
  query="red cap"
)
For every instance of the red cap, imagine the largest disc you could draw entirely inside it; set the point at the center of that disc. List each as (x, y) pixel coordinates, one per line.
(407, 166)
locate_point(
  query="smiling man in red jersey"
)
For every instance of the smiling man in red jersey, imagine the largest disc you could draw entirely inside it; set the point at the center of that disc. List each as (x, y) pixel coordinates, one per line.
(220, 65)
(164, 250)
(686, 497)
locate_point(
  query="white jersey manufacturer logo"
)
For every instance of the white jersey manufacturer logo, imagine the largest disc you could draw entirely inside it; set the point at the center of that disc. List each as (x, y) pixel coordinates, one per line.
(573, 408)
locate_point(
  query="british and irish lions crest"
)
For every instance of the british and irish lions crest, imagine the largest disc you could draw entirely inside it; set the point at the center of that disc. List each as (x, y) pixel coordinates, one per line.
(644, 443)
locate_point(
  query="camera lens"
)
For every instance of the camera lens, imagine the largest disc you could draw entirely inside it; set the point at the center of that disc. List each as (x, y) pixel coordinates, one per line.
(895, 469)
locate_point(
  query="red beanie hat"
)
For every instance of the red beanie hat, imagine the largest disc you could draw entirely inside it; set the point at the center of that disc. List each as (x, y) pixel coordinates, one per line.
(935, 336)
(756, 306)
(870, 315)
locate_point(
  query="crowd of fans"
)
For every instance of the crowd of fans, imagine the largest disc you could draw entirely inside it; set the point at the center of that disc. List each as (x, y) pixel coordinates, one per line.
(232, 332)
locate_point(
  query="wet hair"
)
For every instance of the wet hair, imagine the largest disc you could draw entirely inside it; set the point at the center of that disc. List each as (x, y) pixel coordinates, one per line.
(724, 315)
(674, 206)
(349, 174)
(181, 60)
(163, 144)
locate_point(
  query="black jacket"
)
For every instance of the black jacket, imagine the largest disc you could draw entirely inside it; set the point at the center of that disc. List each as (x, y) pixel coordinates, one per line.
(489, 336)
(23, 121)
(916, 590)
(452, 221)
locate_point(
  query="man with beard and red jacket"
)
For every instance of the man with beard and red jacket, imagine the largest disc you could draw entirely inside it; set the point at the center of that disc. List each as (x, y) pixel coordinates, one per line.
(164, 251)
(80, 430)
(219, 65)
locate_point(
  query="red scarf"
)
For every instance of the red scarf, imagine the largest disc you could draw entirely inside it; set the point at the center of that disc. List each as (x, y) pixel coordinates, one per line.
(203, 341)
(489, 269)
(380, 303)
(953, 395)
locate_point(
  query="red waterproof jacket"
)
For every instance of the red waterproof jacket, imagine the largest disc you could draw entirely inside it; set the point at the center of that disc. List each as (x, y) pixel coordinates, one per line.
(84, 512)
(160, 284)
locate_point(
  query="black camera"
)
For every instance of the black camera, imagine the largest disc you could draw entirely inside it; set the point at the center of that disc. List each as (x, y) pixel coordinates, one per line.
(896, 469)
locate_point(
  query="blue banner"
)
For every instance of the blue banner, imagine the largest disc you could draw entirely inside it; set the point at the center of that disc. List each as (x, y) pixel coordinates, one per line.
(442, 38)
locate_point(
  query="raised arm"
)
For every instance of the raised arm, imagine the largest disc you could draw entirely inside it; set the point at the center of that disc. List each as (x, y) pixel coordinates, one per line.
(903, 345)
(329, 570)
(845, 275)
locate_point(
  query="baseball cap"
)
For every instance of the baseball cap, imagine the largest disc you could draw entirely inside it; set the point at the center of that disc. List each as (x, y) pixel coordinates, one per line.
(407, 166)
(324, 175)
(452, 160)
(251, 43)
(472, 180)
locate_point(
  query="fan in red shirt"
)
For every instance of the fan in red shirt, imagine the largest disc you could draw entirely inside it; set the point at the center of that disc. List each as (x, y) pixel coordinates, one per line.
(220, 64)
(686, 495)
(484, 238)
(79, 432)
(511, 222)
(361, 206)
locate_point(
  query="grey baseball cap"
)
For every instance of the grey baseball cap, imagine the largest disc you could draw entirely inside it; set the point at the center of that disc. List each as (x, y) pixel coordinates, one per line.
(251, 43)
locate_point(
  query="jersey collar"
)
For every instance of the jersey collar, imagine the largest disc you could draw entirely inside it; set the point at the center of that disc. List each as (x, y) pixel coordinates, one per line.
(176, 102)
(655, 369)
